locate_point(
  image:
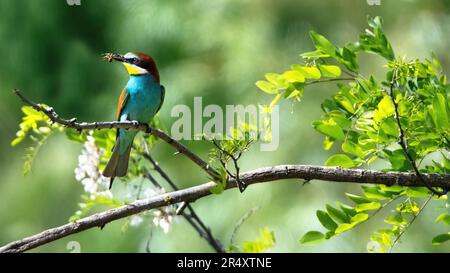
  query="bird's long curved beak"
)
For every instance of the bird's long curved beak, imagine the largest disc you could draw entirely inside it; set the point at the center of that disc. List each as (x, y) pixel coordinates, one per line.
(114, 56)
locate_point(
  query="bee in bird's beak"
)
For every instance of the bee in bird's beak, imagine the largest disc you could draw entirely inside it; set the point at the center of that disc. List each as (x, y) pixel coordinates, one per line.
(113, 56)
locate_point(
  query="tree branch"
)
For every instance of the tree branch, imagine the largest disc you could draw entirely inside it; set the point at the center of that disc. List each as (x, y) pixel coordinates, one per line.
(267, 174)
(131, 125)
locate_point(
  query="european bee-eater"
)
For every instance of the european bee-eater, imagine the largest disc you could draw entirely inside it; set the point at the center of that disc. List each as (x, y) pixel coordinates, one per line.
(140, 100)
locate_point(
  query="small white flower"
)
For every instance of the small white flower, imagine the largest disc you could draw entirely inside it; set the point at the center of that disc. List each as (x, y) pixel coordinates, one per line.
(165, 225)
(136, 220)
(79, 174)
(164, 217)
(87, 171)
(83, 159)
(107, 194)
(90, 185)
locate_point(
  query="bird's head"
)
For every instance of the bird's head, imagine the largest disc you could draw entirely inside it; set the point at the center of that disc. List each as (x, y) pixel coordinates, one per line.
(136, 63)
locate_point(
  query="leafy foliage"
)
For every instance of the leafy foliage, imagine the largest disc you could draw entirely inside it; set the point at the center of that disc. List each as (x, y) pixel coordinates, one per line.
(37, 127)
(228, 150)
(361, 117)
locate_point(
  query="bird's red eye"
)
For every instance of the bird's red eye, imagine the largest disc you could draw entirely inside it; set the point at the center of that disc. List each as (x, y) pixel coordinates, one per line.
(135, 60)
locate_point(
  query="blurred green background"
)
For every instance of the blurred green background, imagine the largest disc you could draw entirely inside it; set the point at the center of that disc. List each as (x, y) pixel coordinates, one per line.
(214, 49)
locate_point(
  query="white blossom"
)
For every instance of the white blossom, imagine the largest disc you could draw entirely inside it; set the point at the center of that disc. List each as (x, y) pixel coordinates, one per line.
(162, 217)
(136, 220)
(87, 172)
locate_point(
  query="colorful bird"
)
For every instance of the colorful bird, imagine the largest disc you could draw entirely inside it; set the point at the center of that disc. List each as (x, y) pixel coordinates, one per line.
(140, 100)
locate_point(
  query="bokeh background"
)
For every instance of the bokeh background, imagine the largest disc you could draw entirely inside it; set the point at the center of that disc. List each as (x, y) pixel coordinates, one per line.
(214, 49)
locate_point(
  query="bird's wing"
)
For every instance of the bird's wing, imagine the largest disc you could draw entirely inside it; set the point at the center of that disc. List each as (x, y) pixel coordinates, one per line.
(121, 105)
(163, 94)
(122, 101)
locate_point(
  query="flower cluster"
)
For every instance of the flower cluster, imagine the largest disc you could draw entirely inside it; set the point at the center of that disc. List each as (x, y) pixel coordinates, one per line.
(87, 171)
(162, 217)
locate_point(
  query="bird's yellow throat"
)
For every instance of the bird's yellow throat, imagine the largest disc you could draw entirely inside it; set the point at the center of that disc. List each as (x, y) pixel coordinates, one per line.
(134, 70)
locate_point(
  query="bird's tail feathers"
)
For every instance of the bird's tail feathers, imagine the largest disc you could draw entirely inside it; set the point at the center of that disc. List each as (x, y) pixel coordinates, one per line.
(118, 163)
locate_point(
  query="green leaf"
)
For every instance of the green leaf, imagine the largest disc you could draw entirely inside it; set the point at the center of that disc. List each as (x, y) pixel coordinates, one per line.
(337, 214)
(267, 87)
(396, 220)
(293, 76)
(340, 118)
(396, 189)
(332, 71)
(440, 114)
(330, 129)
(220, 183)
(442, 238)
(314, 55)
(374, 193)
(74, 135)
(326, 220)
(385, 109)
(353, 148)
(354, 221)
(357, 199)
(343, 228)
(308, 72)
(375, 41)
(368, 206)
(340, 160)
(17, 140)
(349, 58)
(417, 192)
(276, 79)
(359, 218)
(349, 210)
(329, 234)
(312, 238)
(322, 44)
(327, 143)
(397, 160)
(444, 218)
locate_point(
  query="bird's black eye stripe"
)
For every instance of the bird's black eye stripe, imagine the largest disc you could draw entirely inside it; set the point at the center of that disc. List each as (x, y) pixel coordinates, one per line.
(134, 60)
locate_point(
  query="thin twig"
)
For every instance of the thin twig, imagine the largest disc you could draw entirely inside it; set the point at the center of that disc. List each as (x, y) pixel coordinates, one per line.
(241, 222)
(235, 159)
(410, 223)
(329, 80)
(131, 125)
